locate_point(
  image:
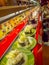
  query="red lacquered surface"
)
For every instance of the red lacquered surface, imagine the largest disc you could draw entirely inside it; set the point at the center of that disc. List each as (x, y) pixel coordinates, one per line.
(7, 41)
(38, 49)
(38, 55)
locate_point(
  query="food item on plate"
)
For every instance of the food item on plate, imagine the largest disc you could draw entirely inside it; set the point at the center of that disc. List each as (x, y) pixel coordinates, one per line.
(22, 37)
(2, 33)
(33, 31)
(15, 22)
(29, 31)
(7, 27)
(19, 56)
(16, 58)
(27, 28)
(32, 43)
(28, 43)
(4, 27)
(11, 21)
(25, 41)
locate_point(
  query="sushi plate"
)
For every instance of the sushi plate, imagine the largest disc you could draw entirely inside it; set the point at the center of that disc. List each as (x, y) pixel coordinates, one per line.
(28, 56)
(30, 46)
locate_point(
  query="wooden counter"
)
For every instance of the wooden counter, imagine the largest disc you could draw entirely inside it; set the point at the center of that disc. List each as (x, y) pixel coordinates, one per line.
(45, 55)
